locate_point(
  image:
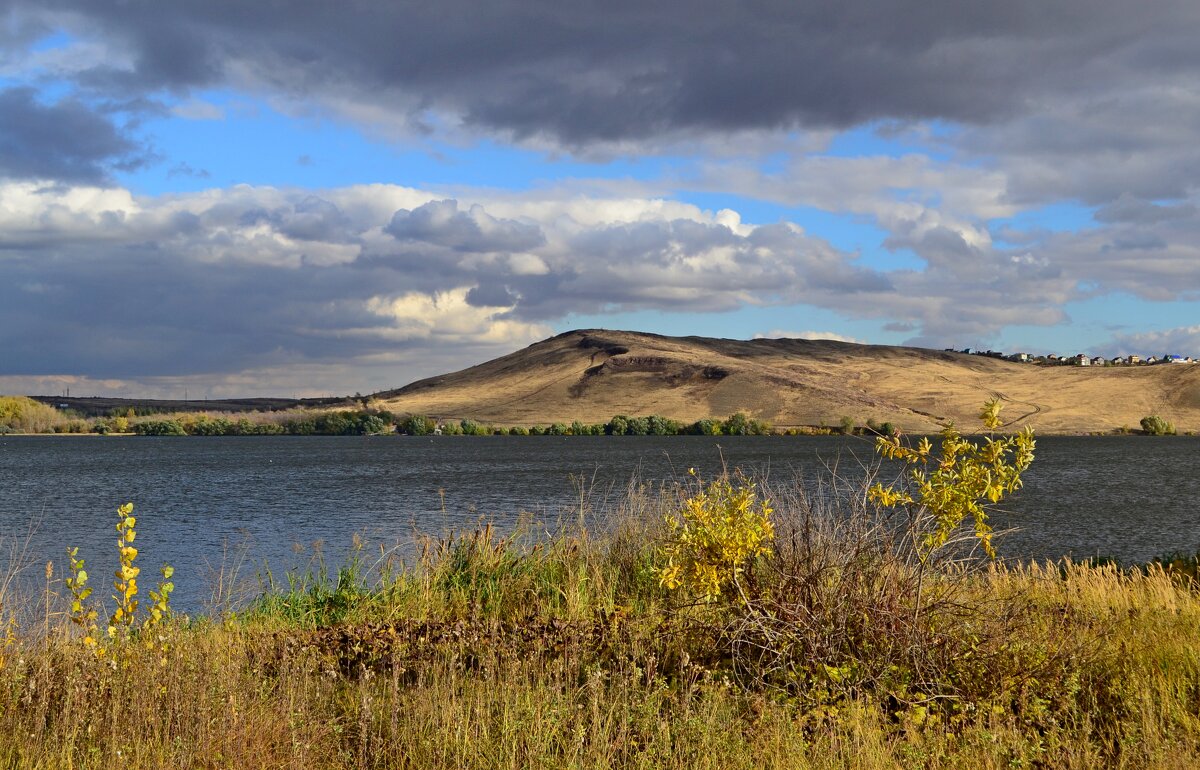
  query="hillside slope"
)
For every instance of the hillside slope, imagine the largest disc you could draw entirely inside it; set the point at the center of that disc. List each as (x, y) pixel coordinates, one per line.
(593, 374)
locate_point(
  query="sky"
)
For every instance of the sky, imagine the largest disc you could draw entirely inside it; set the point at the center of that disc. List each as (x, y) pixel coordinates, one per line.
(292, 198)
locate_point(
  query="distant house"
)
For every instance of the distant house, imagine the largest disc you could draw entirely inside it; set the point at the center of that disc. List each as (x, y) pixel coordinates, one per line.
(1118, 361)
(1177, 360)
(1052, 358)
(1099, 361)
(1152, 360)
(1135, 359)
(1083, 360)
(1021, 358)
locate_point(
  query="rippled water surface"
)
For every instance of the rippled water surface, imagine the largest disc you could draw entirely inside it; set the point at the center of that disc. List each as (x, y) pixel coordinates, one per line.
(1132, 498)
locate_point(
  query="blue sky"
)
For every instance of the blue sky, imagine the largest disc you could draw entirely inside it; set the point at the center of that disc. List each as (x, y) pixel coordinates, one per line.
(285, 199)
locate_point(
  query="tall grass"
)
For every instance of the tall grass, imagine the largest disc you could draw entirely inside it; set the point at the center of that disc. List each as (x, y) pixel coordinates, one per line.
(490, 650)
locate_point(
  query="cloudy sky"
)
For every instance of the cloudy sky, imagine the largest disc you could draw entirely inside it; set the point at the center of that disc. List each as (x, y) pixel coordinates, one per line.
(303, 198)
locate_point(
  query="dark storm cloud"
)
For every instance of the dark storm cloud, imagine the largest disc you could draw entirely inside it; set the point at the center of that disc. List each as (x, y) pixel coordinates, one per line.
(585, 71)
(66, 141)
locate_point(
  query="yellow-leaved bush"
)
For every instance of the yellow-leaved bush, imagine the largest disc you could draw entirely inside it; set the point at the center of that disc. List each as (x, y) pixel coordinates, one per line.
(125, 585)
(715, 536)
(956, 482)
(123, 619)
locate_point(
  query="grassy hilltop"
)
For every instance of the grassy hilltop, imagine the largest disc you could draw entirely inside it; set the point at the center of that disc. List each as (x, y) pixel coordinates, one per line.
(591, 375)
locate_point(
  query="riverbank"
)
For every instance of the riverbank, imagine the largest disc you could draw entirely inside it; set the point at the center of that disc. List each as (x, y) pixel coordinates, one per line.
(484, 650)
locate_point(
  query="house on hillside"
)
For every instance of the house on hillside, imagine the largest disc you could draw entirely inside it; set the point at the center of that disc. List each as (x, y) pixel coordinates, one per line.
(1082, 360)
(1118, 361)
(1020, 358)
(1135, 359)
(1099, 361)
(1176, 360)
(1152, 360)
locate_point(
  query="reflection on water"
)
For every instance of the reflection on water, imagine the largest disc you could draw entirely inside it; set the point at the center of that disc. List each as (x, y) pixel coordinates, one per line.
(1132, 498)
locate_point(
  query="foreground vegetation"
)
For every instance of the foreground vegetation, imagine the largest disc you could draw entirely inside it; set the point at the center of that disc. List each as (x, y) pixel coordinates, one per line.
(715, 623)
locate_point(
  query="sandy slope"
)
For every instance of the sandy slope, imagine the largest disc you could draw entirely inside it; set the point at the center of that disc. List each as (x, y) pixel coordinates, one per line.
(592, 375)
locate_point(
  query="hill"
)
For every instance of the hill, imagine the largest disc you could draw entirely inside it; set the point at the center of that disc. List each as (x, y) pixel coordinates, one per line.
(593, 374)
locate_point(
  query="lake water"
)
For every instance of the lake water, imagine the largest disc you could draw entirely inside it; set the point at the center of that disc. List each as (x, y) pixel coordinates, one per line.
(198, 498)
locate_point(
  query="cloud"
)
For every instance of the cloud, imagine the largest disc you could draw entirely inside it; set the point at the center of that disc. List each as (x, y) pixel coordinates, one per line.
(185, 169)
(66, 141)
(1181, 341)
(1127, 209)
(581, 73)
(198, 109)
(441, 223)
(114, 287)
(108, 285)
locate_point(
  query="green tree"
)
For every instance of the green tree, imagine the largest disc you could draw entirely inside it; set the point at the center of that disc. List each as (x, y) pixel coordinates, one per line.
(617, 426)
(737, 425)
(417, 425)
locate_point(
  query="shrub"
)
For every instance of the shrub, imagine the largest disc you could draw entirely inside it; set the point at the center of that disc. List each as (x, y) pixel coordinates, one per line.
(705, 427)
(886, 429)
(714, 537)
(661, 426)
(1157, 426)
(123, 619)
(965, 476)
(827, 602)
(417, 425)
(159, 428)
(737, 425)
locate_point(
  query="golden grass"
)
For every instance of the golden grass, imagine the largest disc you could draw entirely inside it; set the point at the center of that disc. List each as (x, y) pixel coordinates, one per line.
(491, 652)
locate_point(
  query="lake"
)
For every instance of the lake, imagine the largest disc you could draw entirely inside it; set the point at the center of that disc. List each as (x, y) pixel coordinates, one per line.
(196, 499)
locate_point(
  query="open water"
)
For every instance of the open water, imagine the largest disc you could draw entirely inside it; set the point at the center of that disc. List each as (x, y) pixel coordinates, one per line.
(200, 501)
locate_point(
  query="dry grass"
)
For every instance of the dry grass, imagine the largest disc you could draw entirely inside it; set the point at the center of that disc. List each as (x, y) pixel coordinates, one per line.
(506, 652)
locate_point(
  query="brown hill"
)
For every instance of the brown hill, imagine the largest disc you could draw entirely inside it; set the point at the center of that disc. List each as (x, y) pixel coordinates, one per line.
(592, 374)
